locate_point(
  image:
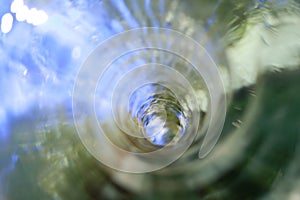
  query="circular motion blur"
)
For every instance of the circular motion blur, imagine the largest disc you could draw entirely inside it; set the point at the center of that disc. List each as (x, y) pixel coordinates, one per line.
(92, 90)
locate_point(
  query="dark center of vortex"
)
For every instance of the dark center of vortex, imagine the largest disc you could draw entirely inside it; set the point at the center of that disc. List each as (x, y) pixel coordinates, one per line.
(158, 113)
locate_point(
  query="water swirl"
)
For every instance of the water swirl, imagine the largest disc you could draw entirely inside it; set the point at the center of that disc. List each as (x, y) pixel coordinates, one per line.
(148, 101)
(111, 80)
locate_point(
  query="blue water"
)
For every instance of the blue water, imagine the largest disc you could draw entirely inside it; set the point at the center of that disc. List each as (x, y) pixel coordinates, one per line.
(39, 64)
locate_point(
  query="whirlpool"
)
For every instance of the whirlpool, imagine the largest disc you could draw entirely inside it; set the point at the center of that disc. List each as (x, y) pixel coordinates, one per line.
(149, 99)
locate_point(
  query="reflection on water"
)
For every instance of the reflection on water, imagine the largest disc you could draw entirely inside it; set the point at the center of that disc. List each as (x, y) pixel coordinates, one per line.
(160, 116)
(256, 44)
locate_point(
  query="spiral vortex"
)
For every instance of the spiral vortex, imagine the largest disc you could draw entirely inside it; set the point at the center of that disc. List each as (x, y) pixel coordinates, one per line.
(151, 103)
(141, 87)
